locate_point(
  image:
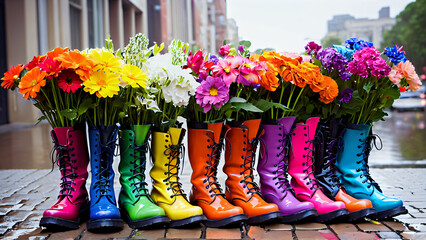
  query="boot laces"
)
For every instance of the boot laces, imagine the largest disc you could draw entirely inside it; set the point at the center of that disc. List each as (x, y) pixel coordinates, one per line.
(248, 165)
(213, 162)
(366, 147)
(282, 171)
(64, 162)
(309, 167)
(174, 152)
(102, 185)
(139, 166)
(330, 147)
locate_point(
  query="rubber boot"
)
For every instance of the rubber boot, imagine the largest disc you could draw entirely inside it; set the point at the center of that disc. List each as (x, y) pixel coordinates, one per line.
(326, 147)
(301, 169)
(104, 214)
(352, 164)
(167, 193)
(136, 205)
(272, 168)
(205, 144)
(241, 190)
(72, 206)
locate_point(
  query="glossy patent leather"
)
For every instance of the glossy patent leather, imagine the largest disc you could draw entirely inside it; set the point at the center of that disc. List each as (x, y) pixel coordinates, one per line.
(301, 163)
(72, 157)
(272, 169)
(167, 192)
(134, 197)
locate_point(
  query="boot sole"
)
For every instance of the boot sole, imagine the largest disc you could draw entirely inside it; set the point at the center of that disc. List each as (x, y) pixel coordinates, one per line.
(360, 214)
(335, 215)
(105, 225)
(264, 218)
(389, 213)
(300, 216)
(60, 224)
(229, 221)
(187, 221)
(152, 222)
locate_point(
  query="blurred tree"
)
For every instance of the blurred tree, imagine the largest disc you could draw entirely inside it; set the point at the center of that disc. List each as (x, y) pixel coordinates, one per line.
(410, 32)
(330, 40)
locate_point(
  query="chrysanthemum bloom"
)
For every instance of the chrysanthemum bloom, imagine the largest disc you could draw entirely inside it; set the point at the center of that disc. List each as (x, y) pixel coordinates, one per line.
(69, 81)
(32, 82)
(77, 61)
(346, 95)
(133, 76)
(212, 91)
(228, 69)
(104, 84)
(11, 78)
(51, 67)
(330, 91)
(105, 60)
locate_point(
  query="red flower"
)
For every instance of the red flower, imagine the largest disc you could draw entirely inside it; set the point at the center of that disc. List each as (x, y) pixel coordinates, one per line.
(51, 67)
(34, 63)
(69, 81)
(10, 78)
(402, 89)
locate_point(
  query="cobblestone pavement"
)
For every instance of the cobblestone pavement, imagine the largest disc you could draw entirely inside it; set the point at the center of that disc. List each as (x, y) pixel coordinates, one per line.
(25, 194)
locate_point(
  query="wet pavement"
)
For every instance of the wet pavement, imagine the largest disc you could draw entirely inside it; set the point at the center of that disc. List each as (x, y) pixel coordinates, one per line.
(28, 187)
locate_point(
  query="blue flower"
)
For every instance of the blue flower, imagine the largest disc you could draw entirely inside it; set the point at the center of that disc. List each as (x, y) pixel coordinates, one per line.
(357, 44)
(346, 52)
(395, 54)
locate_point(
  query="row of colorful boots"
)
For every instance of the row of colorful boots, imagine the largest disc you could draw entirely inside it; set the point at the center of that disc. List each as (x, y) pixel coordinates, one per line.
(326, 160)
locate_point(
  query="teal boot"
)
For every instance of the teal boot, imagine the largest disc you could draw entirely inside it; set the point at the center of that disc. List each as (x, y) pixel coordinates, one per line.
(352, 163)
(136, 205)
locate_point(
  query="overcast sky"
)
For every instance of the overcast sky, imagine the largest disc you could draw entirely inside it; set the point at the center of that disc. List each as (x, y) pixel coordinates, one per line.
(287, 25)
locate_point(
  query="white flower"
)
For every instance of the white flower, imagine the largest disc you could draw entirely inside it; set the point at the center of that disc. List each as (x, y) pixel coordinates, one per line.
(150, 104)
(181, 87)
(158, 67)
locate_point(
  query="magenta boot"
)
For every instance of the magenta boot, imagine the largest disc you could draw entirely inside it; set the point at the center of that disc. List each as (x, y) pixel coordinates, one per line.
(72, 158)
(301, 168)
(272, 168)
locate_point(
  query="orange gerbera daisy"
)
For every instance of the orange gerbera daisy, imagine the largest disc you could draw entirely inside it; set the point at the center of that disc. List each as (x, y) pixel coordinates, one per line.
(56, 52)
(32, 82)
(76, 60)
(10, 78)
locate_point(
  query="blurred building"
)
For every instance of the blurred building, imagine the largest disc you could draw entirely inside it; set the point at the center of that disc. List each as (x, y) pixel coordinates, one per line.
(33, 27)
(347, 26)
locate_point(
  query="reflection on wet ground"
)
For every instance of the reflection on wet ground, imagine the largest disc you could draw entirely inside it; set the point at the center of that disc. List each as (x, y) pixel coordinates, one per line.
(23, 146)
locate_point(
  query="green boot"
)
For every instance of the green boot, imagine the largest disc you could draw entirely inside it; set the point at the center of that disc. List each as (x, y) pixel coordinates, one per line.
(136, 205)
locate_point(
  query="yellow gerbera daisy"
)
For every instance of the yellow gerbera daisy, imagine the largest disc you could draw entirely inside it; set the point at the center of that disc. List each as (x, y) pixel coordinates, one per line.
(133, 76)
(105, 60)
(103, 83)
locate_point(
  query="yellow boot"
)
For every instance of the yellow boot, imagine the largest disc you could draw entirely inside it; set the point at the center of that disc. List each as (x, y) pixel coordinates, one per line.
(166, 191)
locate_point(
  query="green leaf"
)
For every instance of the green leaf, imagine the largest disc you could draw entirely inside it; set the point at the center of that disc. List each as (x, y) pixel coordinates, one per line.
(71, 114)
(157, 48)
(237, 99)
(247, 107)
(245, 43)
(367, 87)
(264, 105)
(392, 92)
(40, 119)
(84, 106)
(309, 109)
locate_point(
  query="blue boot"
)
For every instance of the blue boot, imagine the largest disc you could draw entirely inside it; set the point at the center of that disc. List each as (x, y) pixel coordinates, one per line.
(352, 163)
(104, 214)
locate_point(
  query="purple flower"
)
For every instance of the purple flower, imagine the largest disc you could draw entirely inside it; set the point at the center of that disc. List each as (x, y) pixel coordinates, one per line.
(312, 48)
(332, 60)
(212, 91)
(395, 54)
(346, 95)
(241, 48)
(214, 59)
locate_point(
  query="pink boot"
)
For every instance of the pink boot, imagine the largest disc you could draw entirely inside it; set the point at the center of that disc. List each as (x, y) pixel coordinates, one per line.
(72, 158)
(301, 169)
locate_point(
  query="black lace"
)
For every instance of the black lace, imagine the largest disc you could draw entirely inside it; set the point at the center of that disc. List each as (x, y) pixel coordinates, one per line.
(248, 165)
(66, 167)
(213, 162)
(366, 147)
(102, 185)
(329, 147)
(174, 152)
(139, 166)
(309, 167)
(282, 168)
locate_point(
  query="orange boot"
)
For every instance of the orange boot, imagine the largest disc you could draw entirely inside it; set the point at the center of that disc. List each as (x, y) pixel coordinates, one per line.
(241, 189)
(205, 145)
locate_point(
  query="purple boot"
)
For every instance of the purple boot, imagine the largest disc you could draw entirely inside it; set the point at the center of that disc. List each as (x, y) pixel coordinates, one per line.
(272, 169)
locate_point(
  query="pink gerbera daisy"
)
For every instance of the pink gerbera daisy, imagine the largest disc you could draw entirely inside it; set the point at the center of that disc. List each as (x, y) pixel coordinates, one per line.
(212, 91)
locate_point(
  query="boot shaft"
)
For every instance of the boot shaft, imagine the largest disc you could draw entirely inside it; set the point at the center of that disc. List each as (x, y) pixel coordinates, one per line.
(133, 148)
(102, 147)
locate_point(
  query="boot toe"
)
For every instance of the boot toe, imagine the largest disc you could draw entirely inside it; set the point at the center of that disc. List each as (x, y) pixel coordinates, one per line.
(213, 211)
(60, 211)
(106, 212)
(359, 205)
